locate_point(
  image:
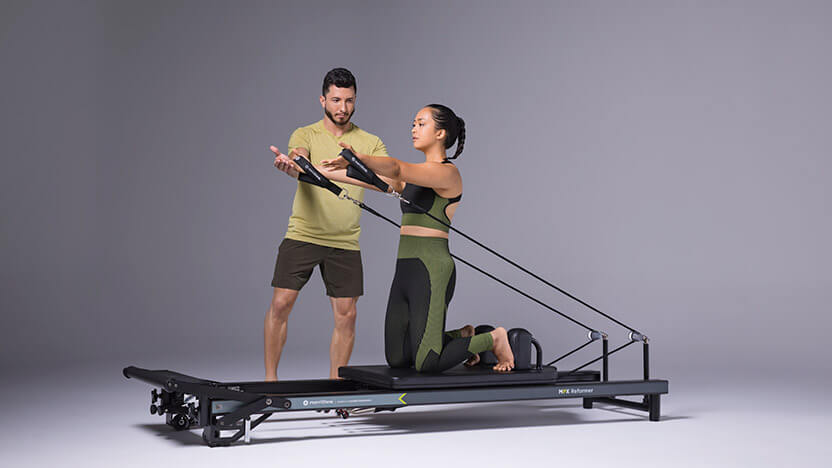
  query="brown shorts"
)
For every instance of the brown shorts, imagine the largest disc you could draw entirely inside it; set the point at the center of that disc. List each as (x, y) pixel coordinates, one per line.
(340, 269)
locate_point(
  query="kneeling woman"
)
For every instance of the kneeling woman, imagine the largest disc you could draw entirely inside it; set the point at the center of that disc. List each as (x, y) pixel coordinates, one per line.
(423, 285)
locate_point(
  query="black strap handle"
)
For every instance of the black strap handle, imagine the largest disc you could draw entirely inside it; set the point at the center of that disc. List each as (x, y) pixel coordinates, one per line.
(311, 175)
(366, 175)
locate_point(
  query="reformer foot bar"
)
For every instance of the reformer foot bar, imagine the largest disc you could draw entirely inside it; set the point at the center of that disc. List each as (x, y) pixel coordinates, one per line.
(239, 407)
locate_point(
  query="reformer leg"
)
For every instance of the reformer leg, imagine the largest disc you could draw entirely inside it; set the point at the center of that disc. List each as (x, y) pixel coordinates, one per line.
(212, 436)
(650, 404)
(654, 408)
(240, 421)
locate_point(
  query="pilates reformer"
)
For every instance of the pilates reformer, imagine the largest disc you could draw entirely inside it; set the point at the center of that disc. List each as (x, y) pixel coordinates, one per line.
(238, 407)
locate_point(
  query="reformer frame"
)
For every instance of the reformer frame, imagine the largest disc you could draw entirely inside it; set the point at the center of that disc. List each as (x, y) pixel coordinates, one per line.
(238, 407)
(188, 401)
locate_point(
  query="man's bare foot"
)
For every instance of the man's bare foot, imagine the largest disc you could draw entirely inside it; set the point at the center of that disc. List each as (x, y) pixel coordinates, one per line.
(466, 332)
(271, 379)
(505, 358)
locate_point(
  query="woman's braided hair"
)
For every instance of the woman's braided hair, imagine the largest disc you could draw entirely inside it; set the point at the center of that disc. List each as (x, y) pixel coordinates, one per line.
(454, 126)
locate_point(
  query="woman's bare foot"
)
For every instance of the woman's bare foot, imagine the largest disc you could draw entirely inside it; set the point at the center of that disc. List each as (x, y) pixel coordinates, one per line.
(466, 332)
(505, 358)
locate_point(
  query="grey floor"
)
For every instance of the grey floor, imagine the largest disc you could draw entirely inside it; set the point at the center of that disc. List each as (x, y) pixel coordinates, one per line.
(92, 416)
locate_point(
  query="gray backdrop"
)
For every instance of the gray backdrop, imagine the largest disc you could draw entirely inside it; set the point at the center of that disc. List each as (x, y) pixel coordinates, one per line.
(667, 161)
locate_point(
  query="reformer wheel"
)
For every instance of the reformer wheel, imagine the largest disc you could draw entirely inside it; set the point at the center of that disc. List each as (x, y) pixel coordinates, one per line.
(180, 422)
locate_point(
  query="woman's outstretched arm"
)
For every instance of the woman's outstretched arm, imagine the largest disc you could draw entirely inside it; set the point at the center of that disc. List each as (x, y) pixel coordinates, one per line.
(285, 164)
(427, 174)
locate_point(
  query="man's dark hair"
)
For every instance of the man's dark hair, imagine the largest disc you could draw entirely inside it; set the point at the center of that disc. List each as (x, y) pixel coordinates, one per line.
(340, 77)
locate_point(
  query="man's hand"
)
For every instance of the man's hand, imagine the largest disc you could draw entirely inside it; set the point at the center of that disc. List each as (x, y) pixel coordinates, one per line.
(339, 162)
(283, 163)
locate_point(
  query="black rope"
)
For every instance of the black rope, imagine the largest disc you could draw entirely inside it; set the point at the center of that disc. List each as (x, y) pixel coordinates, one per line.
(372, 211)
(510, 262)
(601, 357)
(318, 179)
(572, 352)
(524, 294)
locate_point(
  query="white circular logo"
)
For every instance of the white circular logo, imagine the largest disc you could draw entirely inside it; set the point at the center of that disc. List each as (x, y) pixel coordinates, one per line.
(305, 402)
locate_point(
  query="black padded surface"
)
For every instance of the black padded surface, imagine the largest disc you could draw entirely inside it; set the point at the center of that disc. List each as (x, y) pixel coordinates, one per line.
(160, 377)
(460, 376)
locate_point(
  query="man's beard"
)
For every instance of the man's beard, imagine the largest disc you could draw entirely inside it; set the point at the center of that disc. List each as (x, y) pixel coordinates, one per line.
(332, 117)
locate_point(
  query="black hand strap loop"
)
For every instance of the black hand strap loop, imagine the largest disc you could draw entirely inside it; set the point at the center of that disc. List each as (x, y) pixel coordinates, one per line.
(354, 173)
(311, 175)
(367, 175)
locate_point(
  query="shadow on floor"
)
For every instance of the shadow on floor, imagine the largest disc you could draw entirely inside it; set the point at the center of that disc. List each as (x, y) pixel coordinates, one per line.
(438, 419)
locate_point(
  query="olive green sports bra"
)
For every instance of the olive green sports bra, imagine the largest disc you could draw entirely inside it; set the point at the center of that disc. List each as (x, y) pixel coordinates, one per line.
(427, 199)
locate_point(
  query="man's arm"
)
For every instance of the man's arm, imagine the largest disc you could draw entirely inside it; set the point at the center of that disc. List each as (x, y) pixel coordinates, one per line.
(299, 143)
(298, 146)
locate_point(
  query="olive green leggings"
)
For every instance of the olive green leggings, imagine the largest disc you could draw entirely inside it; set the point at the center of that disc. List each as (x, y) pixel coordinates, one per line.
(414, 327)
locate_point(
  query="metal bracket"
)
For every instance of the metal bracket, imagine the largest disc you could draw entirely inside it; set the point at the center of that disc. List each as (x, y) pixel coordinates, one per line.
(257, 405)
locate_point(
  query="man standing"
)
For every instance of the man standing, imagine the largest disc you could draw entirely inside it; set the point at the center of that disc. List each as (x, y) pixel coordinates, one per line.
(323, 230)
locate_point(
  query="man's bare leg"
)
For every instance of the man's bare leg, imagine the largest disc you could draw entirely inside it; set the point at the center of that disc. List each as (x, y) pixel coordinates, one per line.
(343, 335)
(275, 327)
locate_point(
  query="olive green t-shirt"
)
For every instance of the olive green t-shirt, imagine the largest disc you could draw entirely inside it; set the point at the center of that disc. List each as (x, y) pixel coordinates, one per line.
(318, 216)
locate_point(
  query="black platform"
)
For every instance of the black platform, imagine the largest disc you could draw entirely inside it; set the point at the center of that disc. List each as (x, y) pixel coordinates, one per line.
(460, 376)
